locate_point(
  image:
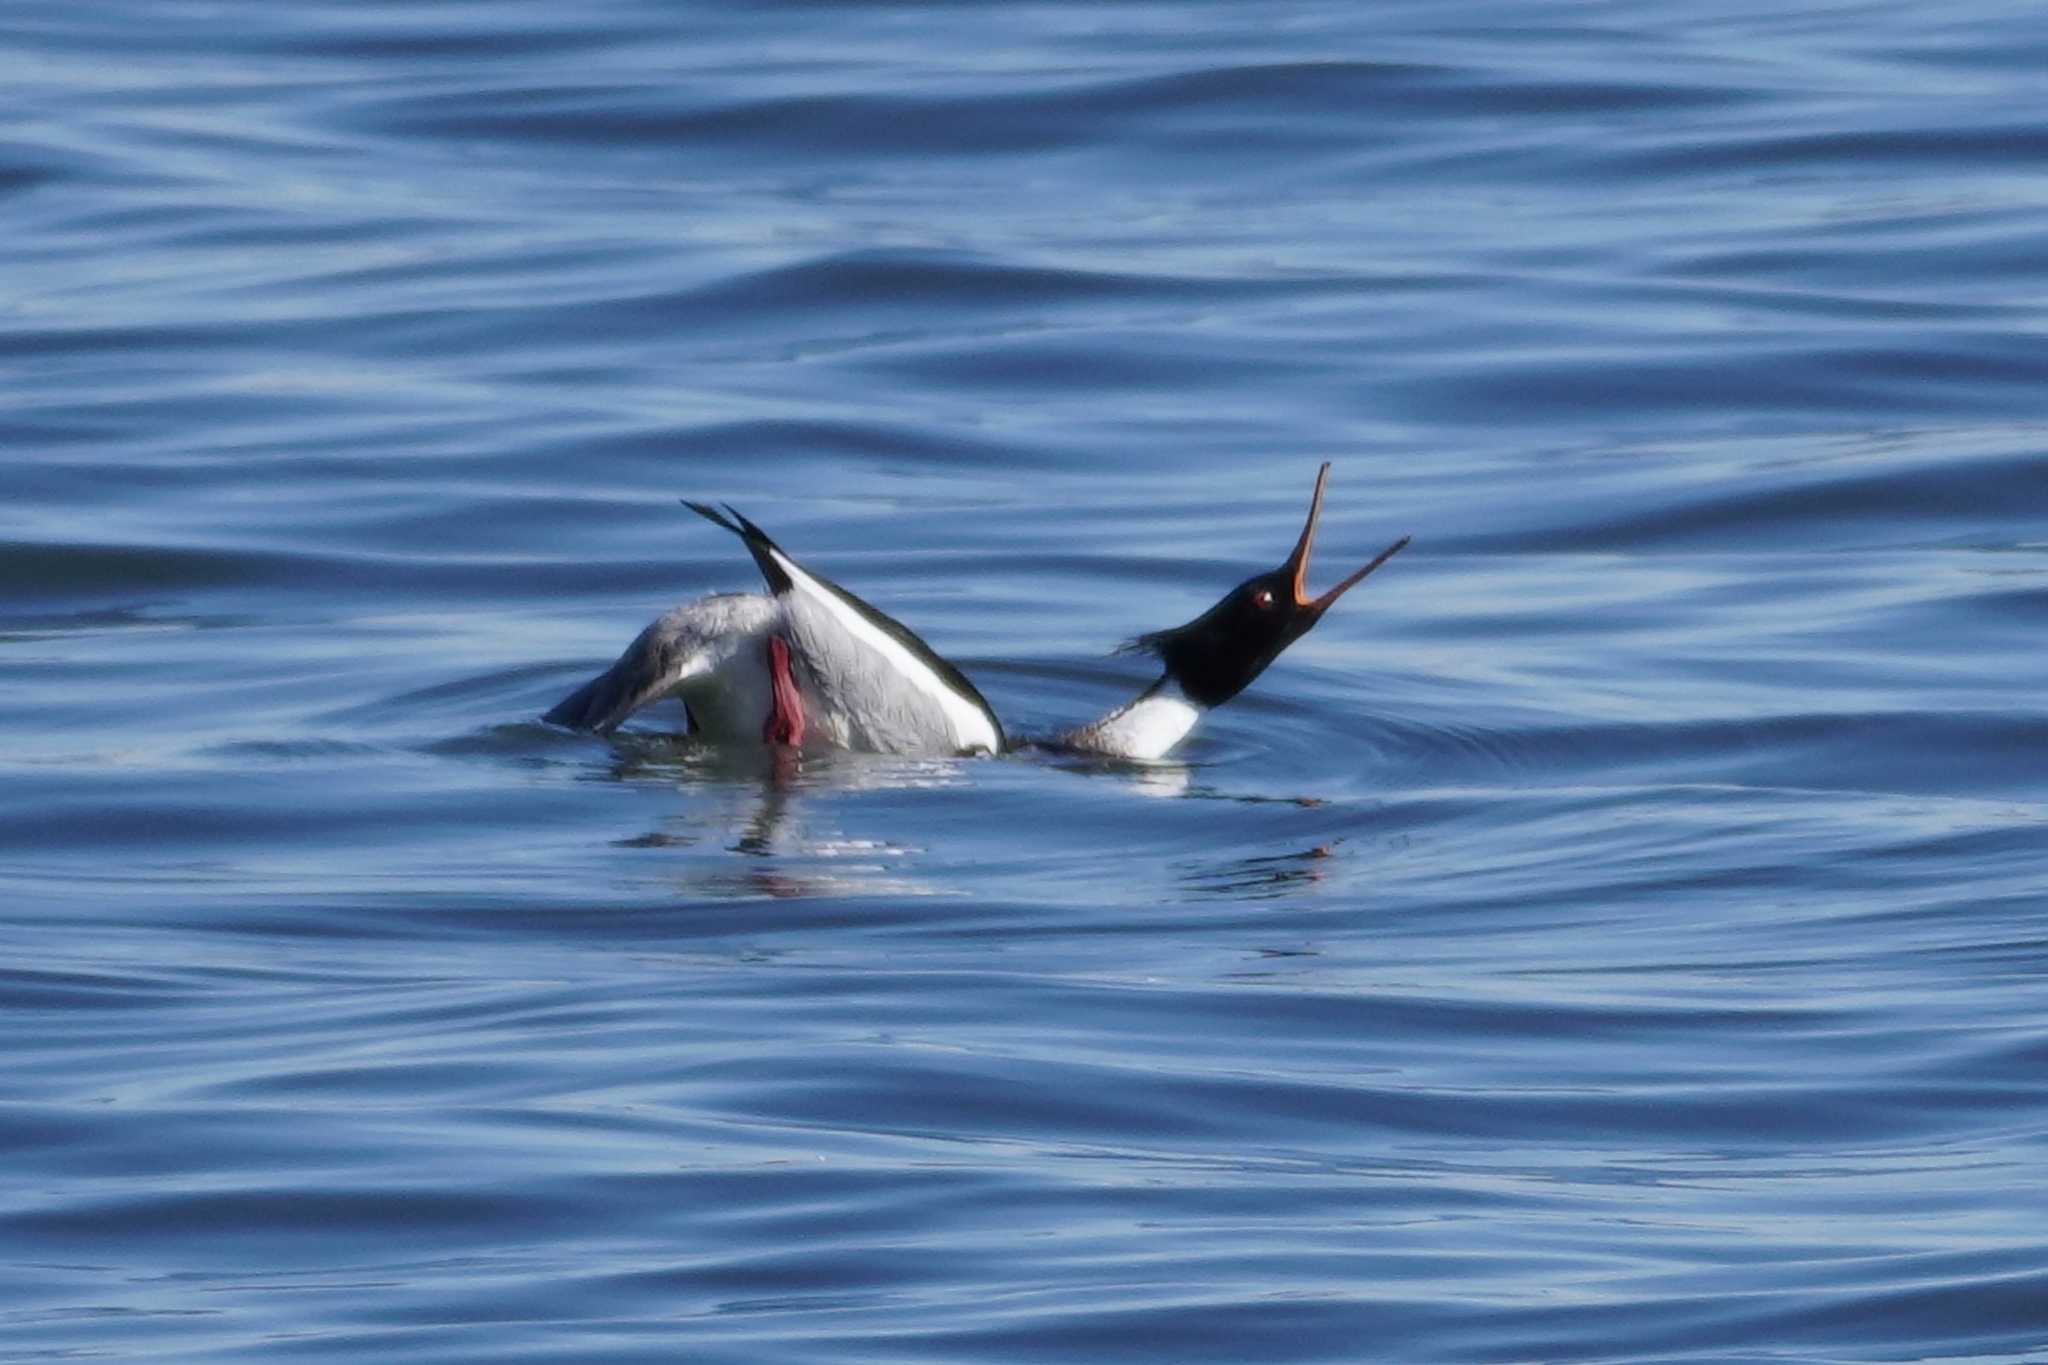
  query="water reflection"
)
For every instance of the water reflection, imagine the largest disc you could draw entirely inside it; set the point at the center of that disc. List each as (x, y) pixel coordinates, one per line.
(1266, 876)
(787, 823)
(1157, 777)
(778, 810)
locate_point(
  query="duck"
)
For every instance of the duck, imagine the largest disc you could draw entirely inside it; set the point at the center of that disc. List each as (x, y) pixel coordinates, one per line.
(809, 662)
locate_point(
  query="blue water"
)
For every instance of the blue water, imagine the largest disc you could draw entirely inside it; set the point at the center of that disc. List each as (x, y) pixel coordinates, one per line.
(1619, 933)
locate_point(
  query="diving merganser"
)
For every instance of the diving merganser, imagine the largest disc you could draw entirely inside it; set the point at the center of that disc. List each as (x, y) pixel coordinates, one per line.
(813, 661)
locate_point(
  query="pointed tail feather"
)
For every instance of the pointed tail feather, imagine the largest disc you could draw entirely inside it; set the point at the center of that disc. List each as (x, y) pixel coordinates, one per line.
(713, 515)
(756, 540)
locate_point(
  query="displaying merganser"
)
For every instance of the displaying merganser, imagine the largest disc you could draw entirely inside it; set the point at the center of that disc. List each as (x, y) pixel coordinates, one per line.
(811, 661)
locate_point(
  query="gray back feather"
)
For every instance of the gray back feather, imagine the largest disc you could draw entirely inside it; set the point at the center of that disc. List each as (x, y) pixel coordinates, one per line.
(680, 644)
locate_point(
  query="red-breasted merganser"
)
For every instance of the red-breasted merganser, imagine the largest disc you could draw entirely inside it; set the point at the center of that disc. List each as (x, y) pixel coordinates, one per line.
(811, 661)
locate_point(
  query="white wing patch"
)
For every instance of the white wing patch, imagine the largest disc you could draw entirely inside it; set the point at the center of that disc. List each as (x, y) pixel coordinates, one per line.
(878, 712)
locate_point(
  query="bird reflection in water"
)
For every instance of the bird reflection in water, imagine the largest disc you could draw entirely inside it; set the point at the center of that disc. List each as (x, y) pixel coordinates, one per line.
(1266, 876)
(762, 804)
(766, 805)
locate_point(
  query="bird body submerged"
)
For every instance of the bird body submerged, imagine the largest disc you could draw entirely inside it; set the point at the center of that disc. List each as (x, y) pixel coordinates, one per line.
(850, 675)
(711, 653)
(875, 686)
(811, 661)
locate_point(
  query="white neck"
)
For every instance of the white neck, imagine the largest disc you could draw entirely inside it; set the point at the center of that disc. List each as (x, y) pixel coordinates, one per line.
(1147, 726)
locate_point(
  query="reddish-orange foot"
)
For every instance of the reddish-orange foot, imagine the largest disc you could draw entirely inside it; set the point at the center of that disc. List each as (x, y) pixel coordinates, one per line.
(786, 709)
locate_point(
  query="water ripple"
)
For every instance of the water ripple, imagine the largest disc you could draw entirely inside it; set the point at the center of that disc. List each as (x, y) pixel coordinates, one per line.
(1614, 934)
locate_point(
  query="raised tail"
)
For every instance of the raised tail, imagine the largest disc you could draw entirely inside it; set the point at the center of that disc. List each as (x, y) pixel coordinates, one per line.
(765, 551)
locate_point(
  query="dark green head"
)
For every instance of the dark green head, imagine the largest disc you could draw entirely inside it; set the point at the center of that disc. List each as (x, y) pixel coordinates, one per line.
(1215, 656)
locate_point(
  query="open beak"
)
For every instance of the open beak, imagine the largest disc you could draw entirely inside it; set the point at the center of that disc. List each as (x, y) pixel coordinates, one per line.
(1298, 561)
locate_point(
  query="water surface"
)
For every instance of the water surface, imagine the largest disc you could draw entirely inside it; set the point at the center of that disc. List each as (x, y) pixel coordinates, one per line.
(1617, 934)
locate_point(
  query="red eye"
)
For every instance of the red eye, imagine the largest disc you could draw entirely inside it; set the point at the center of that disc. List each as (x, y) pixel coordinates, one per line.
(1263, 598)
